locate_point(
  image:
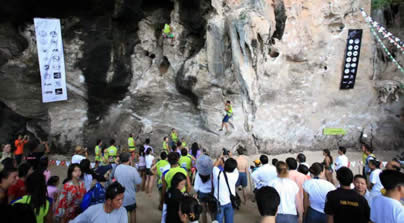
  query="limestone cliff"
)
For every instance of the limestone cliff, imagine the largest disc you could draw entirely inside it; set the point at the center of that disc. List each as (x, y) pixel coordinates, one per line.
(278, 61)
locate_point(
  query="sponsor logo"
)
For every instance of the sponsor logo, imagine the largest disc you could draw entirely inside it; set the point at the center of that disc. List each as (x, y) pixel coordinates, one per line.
(58, 91)
(57, 75)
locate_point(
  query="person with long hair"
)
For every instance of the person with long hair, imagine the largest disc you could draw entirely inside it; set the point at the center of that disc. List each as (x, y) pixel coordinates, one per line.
(288, 192)
(195, 150)
(141, 168)
(315, 192)
(173, 197)
(150, 161)
(328, 163)
(8, 177)
(189, 209)
(71, 195)
(86, 173)
(43, 167)
(37, 197)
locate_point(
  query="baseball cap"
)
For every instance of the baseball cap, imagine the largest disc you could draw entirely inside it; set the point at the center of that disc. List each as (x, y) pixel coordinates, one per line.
(257, 161)
(204, 165)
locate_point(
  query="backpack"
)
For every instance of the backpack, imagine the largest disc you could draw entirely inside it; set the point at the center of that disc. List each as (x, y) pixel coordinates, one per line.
(95, 195)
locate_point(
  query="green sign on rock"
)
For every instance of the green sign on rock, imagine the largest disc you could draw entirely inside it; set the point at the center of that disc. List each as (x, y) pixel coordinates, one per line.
(334, 131)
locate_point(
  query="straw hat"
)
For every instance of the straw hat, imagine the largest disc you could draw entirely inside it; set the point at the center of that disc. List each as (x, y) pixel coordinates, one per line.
(79, 149)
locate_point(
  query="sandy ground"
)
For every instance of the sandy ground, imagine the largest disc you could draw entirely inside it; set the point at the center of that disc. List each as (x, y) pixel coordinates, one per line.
(147, 207)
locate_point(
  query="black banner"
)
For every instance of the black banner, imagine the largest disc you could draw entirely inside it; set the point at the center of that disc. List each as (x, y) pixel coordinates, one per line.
(351, 62)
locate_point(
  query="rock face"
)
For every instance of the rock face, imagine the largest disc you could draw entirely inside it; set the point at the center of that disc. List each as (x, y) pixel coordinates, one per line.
(278, 61)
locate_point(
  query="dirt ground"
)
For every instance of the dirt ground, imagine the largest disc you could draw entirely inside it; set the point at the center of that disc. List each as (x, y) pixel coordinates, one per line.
(147, 207)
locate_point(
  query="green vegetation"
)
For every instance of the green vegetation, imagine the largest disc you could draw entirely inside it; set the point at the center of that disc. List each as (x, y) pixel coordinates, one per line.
(384, 3)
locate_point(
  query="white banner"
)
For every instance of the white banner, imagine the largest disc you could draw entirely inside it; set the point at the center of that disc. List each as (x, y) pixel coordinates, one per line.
(51, 59)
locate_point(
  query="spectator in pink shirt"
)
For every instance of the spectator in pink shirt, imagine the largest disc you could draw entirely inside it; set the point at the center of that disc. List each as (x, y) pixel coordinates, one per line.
(299, 179)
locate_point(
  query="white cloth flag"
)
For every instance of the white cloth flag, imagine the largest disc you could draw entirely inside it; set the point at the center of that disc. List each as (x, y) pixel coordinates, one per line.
(51, 59)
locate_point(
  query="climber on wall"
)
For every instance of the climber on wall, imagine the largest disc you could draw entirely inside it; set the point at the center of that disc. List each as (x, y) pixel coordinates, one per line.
(131, 145)
(167, 33)
(229, 112)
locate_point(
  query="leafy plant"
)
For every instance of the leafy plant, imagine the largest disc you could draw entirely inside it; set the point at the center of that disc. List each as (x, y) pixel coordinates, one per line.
(384, 3)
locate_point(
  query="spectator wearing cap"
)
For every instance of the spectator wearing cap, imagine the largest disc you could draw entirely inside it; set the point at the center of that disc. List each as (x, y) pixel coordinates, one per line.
(264, 174)
(268, 201)
(257, 164)
(203, 182)
(388, 208)
(80, 154)
(129, 178)
(315, 192)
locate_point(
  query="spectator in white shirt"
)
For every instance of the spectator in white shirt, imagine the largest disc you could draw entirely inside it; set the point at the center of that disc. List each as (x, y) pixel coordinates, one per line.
(203, 183)
(361, 187)
(87, 174)
(301, 159)
(288, 191)
(388, 208)
(268, 201)
(149, 160)
(147, 146)
(342, 159)
(315, 193)
(264, 174)
(375, 185)
(221, 190)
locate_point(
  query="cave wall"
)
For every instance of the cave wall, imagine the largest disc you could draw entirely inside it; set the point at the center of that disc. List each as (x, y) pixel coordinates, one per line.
(278, 61)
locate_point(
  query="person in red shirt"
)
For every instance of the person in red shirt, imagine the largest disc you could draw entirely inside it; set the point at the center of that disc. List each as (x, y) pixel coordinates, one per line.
(19, 144)
(68, 203)
(18, 189)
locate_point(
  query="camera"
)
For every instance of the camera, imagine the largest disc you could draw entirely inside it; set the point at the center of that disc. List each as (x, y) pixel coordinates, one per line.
(225, 152)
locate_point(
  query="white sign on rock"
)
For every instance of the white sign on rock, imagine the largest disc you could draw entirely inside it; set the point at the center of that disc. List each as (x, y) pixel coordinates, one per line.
(51, 59)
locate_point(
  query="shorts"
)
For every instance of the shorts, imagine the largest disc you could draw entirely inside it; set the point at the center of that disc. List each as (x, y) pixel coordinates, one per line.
(203, 197)
(169, 35)
(226, 118)
(141, 168)
(242, 180)
(130, 208)
(148, 172)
